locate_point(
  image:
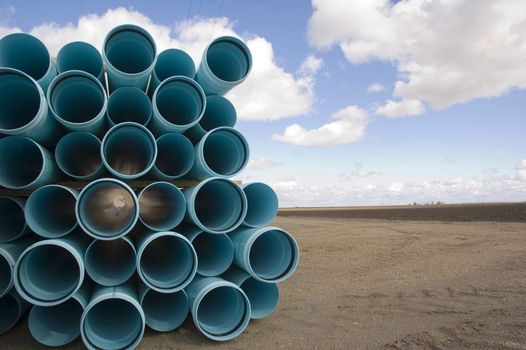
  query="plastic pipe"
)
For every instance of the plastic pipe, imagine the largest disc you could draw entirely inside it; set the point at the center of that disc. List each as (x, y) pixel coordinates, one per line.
(13, 308)
(170, 63)
(128, 150)
(262, 204)
(50, 211)
(79, 55)
(49, 272)
(129, 52)
(60, 324)
(269, 254)
(129, 104)
(28, 54)
(220, 309)
(219, 112)
(26, 164)
(164, 312)
(263, 296)
(78, 101)
(78, 155)
(221, 152)
(215, 205)
(226, 63)
(107, 209)
(113, 319)
(215, 251)
(166, 261)
(24, 109)
(175, 157)
(13, 224)
(178, 104)
(9, 254)
(110, 263)
(161, 206)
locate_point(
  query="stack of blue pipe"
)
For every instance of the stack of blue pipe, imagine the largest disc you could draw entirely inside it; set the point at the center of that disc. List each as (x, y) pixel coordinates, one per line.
(103, 260)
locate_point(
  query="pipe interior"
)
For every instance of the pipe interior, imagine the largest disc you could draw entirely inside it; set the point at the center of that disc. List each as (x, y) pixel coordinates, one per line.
(222, 311)
(215, 253)
(11, 310)
(25, 161)
(175, 155)
(225, 152)
(165, 311)
(19, 100)
(6, 274)
(78, 154)
(113, 324)
(271, 255)
(174, 62)
(129, 104)
(219, 112)
(80, 56)
(130, 51)
(179, 102)
(26, 53)
(218, 205)
(107, 209)
(263, 296)
(228, 60)
(162, 206)
(77, 99)
(110, 263)
(13, 220)
(262, 204)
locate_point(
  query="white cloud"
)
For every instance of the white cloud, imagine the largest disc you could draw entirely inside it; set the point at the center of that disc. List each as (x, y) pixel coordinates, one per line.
(262, 164)
(375, 88)
(521, 170)
(348, 126)
(446, 52)
(400, 109)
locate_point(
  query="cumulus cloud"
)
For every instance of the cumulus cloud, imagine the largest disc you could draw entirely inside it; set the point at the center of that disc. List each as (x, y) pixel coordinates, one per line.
(262, 164)
(375, 88)
(400, 109)
(446, 52)
(521, 170)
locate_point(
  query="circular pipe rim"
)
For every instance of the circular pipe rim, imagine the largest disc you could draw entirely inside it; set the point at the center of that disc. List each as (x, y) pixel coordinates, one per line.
(60, 165)
(24, 228)
(77, 44)
(240, 44)
(92, 273)
(179, 194)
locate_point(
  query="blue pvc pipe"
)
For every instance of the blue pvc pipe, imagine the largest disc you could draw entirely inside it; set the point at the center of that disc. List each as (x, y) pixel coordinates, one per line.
(110, 263)
(113, 319)
(164, 312)
(78, 101)
(269, 254)
(219, 112)
(13, 225)
(28, 54)
(107, 209)
(128, 150)
(170, 63)
(26, 164)
(129, 104)
(50, 211)
(221, 152)
(215, 205)
(9, 254)
(166, 261)
(79, 55)
(13, 308)
(129, 52)
(262, 204)
(162, 206)
(226, 63)
(220, 309)
(78, 156)
(178, 104)
(175, 157)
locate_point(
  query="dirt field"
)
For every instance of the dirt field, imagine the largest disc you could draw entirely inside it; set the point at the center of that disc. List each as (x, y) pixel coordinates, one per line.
(383, 284)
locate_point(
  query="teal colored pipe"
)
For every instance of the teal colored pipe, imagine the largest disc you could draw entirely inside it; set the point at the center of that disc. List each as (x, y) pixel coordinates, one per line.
(59, 325)
(220, 309)
(175, 157)
(170, 63)
(13, 308)
(24, 108)
(263, 296)
(128, 150)
(178, 104)
(28, 54)
(222, 152)
(269, 254)
(110, 263)
(9, 254)
(226, 63)
(219, 112)
(50, 211)
(79, 55)
(129, 52)
(113, 319)
(129, 104)
(161, 206)
(262, 204)
(107, 209)
(13, 225)
(49, 272)
(24, 164)
(78, 101)
(78, 156)
(164, 312)
(215, 205)
(166, 261)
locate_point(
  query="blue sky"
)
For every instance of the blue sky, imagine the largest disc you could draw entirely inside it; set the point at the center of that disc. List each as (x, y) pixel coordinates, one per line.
(447, 121)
